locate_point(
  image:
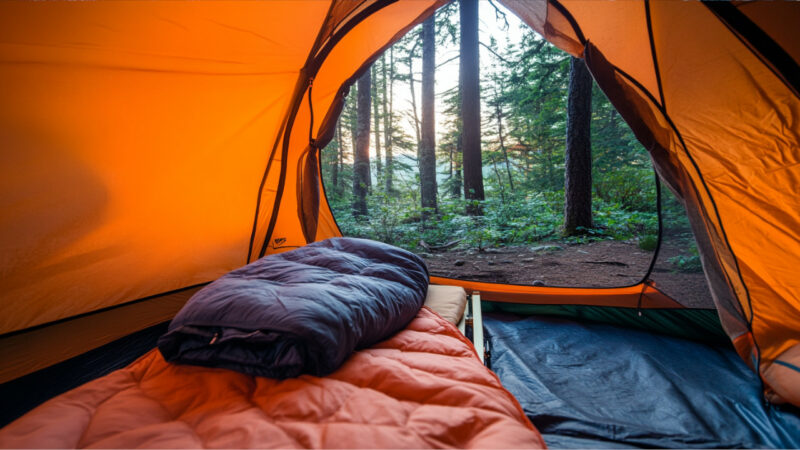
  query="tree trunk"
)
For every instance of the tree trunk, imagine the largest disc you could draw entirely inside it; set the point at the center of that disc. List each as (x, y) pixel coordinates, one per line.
(499, 180)
(340, 184)
(469, 75)
(578, 160)
(415, 116)
(499, 114)
(354, 121)
(388, 83)
(375, 102)
(427, 153)
(335, 168)
(503, 148)
(449, 161)
(458, 182)
(361, 176)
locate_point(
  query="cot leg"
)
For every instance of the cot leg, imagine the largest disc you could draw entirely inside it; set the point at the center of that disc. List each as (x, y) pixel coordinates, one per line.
(477, 325)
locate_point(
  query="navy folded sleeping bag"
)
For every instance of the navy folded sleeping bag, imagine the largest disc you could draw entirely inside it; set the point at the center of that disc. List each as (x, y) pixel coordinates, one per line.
(302, 311)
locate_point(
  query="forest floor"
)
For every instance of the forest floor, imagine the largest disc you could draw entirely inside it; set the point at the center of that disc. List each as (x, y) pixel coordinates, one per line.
(595, 264)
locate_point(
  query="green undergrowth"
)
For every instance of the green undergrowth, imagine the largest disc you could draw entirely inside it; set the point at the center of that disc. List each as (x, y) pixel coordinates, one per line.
(519, 220)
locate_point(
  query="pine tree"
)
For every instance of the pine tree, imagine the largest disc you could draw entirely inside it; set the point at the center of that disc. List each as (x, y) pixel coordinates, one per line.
(578, 160)
(469, 79)
(361, 175)
(427, 153)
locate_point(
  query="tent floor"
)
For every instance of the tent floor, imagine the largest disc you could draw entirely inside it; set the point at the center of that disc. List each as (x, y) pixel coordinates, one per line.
(590, 385)
(25, 393)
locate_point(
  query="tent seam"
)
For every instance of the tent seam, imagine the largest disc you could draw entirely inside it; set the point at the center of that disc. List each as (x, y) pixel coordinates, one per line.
(653, 52)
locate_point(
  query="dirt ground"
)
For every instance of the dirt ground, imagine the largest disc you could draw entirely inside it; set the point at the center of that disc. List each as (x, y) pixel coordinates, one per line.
(596, 264)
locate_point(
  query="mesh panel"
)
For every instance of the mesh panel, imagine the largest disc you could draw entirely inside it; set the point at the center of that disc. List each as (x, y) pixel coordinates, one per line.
(678, 271)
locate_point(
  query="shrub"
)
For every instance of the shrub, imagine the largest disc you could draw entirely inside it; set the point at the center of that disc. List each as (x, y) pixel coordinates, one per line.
(688, 263)
(648, 242)
(632, 188)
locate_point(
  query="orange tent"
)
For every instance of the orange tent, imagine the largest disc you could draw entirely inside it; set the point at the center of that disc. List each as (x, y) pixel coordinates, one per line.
(150, 147)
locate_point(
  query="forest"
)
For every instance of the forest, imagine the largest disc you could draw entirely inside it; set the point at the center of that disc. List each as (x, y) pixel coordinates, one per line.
(473, 137)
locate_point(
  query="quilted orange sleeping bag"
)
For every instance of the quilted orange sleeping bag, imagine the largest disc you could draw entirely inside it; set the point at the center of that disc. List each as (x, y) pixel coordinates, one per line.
(423, 387)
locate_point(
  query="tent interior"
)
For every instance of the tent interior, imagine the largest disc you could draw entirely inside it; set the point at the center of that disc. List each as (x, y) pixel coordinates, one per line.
(149, 148)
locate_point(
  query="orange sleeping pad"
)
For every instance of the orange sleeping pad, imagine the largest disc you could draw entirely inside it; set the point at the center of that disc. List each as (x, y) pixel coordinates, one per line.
(423, 387)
